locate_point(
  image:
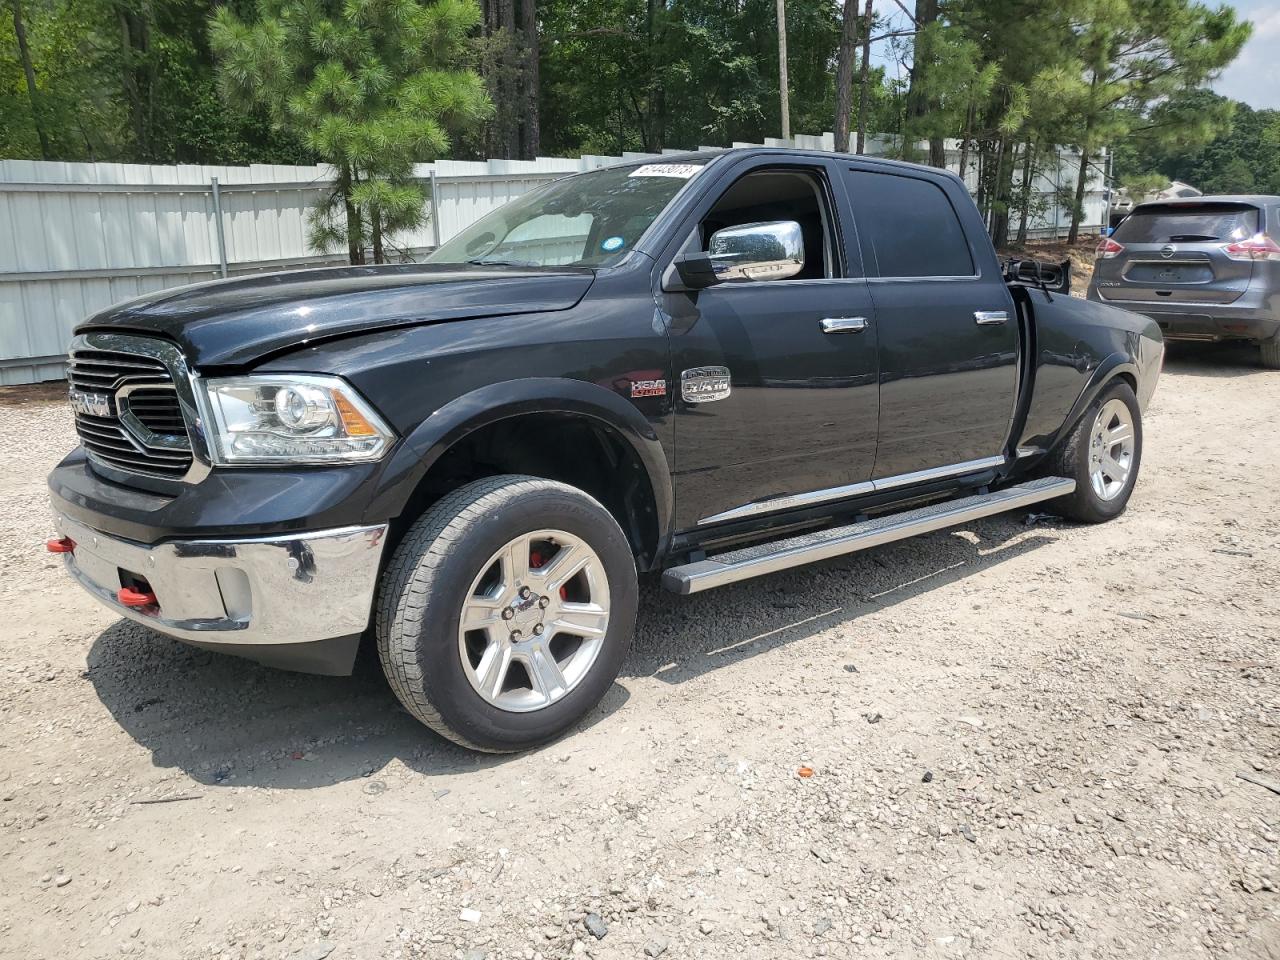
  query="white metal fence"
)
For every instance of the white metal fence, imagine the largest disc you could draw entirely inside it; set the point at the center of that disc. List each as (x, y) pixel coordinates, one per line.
(78, 237)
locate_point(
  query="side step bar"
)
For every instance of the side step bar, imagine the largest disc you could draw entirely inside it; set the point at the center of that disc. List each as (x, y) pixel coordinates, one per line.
(822, 545)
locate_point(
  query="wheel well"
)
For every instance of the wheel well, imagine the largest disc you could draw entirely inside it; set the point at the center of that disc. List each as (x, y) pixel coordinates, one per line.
(580, 451)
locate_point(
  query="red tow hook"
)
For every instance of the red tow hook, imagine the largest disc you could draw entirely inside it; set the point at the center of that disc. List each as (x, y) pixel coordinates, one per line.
(136, 598)
(60, 545)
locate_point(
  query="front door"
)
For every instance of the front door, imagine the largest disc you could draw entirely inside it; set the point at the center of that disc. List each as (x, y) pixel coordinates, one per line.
(948, 331)
(775, 381)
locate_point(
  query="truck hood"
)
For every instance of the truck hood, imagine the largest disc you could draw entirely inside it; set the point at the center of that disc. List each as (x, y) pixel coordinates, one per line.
(238, 321)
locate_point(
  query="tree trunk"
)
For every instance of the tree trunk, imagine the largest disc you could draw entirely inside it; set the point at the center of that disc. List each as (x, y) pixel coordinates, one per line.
(375, 220)
(1003, 184)
(918, 104)
(509, 105)
(1086, 147)
(532, 79)
(654, 119)
(866, 71)
(24, 54)
(844, 74)
(1028, 169)
(355, 240)
(1077, 209)
(783, 90)
(137, 73)
(966, 141)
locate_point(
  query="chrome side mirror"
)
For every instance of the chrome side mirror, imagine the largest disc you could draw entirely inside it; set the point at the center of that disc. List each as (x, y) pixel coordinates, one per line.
(773, 250)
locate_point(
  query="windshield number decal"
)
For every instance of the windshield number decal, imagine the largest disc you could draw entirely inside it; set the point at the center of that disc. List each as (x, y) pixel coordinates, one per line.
(682, 171)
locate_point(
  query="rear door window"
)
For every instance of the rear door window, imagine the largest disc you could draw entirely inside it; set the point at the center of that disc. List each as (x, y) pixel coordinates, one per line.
(1198, 223)
(912, 226)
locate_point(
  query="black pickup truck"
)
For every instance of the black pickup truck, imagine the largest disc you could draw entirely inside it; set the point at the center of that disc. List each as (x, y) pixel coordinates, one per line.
(710, 367)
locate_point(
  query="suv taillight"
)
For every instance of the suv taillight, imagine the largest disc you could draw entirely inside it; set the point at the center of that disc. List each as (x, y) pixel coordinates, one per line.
(1257, 247)
(1107, 248)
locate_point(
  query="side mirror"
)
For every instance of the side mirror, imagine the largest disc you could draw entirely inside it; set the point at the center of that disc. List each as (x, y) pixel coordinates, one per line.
(773, 250)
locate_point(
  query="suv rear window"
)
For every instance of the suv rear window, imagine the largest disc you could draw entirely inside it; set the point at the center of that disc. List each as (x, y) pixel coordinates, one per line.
(1192, 223)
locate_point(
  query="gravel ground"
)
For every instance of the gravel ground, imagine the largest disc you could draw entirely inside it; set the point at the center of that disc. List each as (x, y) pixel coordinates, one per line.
(1021, 740)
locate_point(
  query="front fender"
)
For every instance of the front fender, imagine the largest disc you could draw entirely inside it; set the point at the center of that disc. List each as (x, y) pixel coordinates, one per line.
(423, 446)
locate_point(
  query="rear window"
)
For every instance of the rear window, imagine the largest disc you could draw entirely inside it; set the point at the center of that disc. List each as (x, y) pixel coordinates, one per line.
(1189, 224)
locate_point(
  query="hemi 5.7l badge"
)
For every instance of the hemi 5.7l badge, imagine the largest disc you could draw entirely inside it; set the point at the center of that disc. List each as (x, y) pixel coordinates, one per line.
(704, 384)
(648, 388)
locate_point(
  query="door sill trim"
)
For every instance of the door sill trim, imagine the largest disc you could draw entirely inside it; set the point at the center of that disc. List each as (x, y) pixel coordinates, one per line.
(814, 497)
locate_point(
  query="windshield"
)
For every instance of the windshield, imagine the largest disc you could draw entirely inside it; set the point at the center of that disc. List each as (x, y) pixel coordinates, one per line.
(589, 220)
(1189, 224)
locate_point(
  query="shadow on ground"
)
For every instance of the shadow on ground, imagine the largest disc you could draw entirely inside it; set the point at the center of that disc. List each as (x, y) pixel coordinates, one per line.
(229, 722)
(1230, 358)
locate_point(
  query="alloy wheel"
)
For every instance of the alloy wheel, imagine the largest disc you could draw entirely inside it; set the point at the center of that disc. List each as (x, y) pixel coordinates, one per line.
(534, 620)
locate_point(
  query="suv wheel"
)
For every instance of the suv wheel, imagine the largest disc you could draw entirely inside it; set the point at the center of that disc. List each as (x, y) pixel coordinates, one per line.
(1103, 453)
(506, 612)
(1271, 353)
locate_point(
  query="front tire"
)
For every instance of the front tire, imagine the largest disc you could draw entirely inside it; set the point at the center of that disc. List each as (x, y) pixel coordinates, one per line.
(506, 612)
(1102, 453)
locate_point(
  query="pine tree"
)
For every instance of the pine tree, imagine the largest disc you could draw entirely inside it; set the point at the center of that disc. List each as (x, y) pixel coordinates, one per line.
(1138, 54)
(371, 86)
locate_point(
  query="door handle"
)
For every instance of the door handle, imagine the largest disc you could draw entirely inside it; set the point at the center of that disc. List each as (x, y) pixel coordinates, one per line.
(843, 324)
(989, 317)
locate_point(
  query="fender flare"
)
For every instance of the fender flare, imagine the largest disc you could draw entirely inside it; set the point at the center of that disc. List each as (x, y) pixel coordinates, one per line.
(421, 448)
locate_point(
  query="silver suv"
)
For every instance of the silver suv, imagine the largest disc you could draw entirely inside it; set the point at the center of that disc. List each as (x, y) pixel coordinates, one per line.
(1204, 269)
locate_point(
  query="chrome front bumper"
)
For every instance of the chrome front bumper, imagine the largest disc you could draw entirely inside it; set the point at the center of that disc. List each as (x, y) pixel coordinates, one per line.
(295, 589)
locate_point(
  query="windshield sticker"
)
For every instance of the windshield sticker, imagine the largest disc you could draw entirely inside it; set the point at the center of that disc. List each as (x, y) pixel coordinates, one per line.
(683, 171)
(612, 244)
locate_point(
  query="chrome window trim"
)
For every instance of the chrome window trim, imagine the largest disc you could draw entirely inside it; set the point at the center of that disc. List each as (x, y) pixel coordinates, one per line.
(184, 384)
(930, 279)
(813, 497)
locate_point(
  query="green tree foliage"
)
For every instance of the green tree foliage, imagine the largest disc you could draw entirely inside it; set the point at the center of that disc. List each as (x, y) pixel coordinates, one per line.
(126, 80)
(637, 75)
(1239, 154)
(370, 86)
(1136, 55)
(1011, 80)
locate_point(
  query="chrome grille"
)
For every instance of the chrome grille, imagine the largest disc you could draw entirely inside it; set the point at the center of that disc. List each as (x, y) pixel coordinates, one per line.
(138, 388)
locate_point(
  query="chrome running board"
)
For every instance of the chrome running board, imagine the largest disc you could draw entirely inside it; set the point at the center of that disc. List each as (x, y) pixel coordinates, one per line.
(765, 558)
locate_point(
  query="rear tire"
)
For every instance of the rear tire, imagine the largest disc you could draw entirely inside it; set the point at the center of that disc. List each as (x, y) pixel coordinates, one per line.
(1271, 353)
(1102, 453)
(495, 552)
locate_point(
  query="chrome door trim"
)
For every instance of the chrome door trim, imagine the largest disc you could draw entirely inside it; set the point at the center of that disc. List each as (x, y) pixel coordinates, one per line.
(990, 317)
(814, 497)
(843, 324)
(790, 502)
(938, 473)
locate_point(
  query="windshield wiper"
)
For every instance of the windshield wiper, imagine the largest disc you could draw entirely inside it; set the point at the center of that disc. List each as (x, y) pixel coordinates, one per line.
(498, 262)
(1189, 237)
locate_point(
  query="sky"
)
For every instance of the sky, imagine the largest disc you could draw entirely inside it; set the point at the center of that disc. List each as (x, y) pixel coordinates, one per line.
(1254, 77)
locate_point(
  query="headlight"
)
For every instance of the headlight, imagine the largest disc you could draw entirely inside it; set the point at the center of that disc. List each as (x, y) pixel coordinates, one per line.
(293, 418)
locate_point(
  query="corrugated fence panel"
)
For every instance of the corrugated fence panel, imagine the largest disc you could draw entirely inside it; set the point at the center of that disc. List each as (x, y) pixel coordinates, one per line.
(76, 238)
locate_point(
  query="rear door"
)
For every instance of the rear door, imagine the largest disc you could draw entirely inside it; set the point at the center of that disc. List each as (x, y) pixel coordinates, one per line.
(948, 331)
(1176, 253)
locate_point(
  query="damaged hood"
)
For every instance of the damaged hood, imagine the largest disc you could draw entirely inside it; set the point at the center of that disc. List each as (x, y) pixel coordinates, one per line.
(236, 322)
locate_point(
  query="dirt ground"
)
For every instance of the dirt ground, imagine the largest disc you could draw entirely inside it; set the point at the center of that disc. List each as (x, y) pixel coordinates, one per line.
(1025, 741)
